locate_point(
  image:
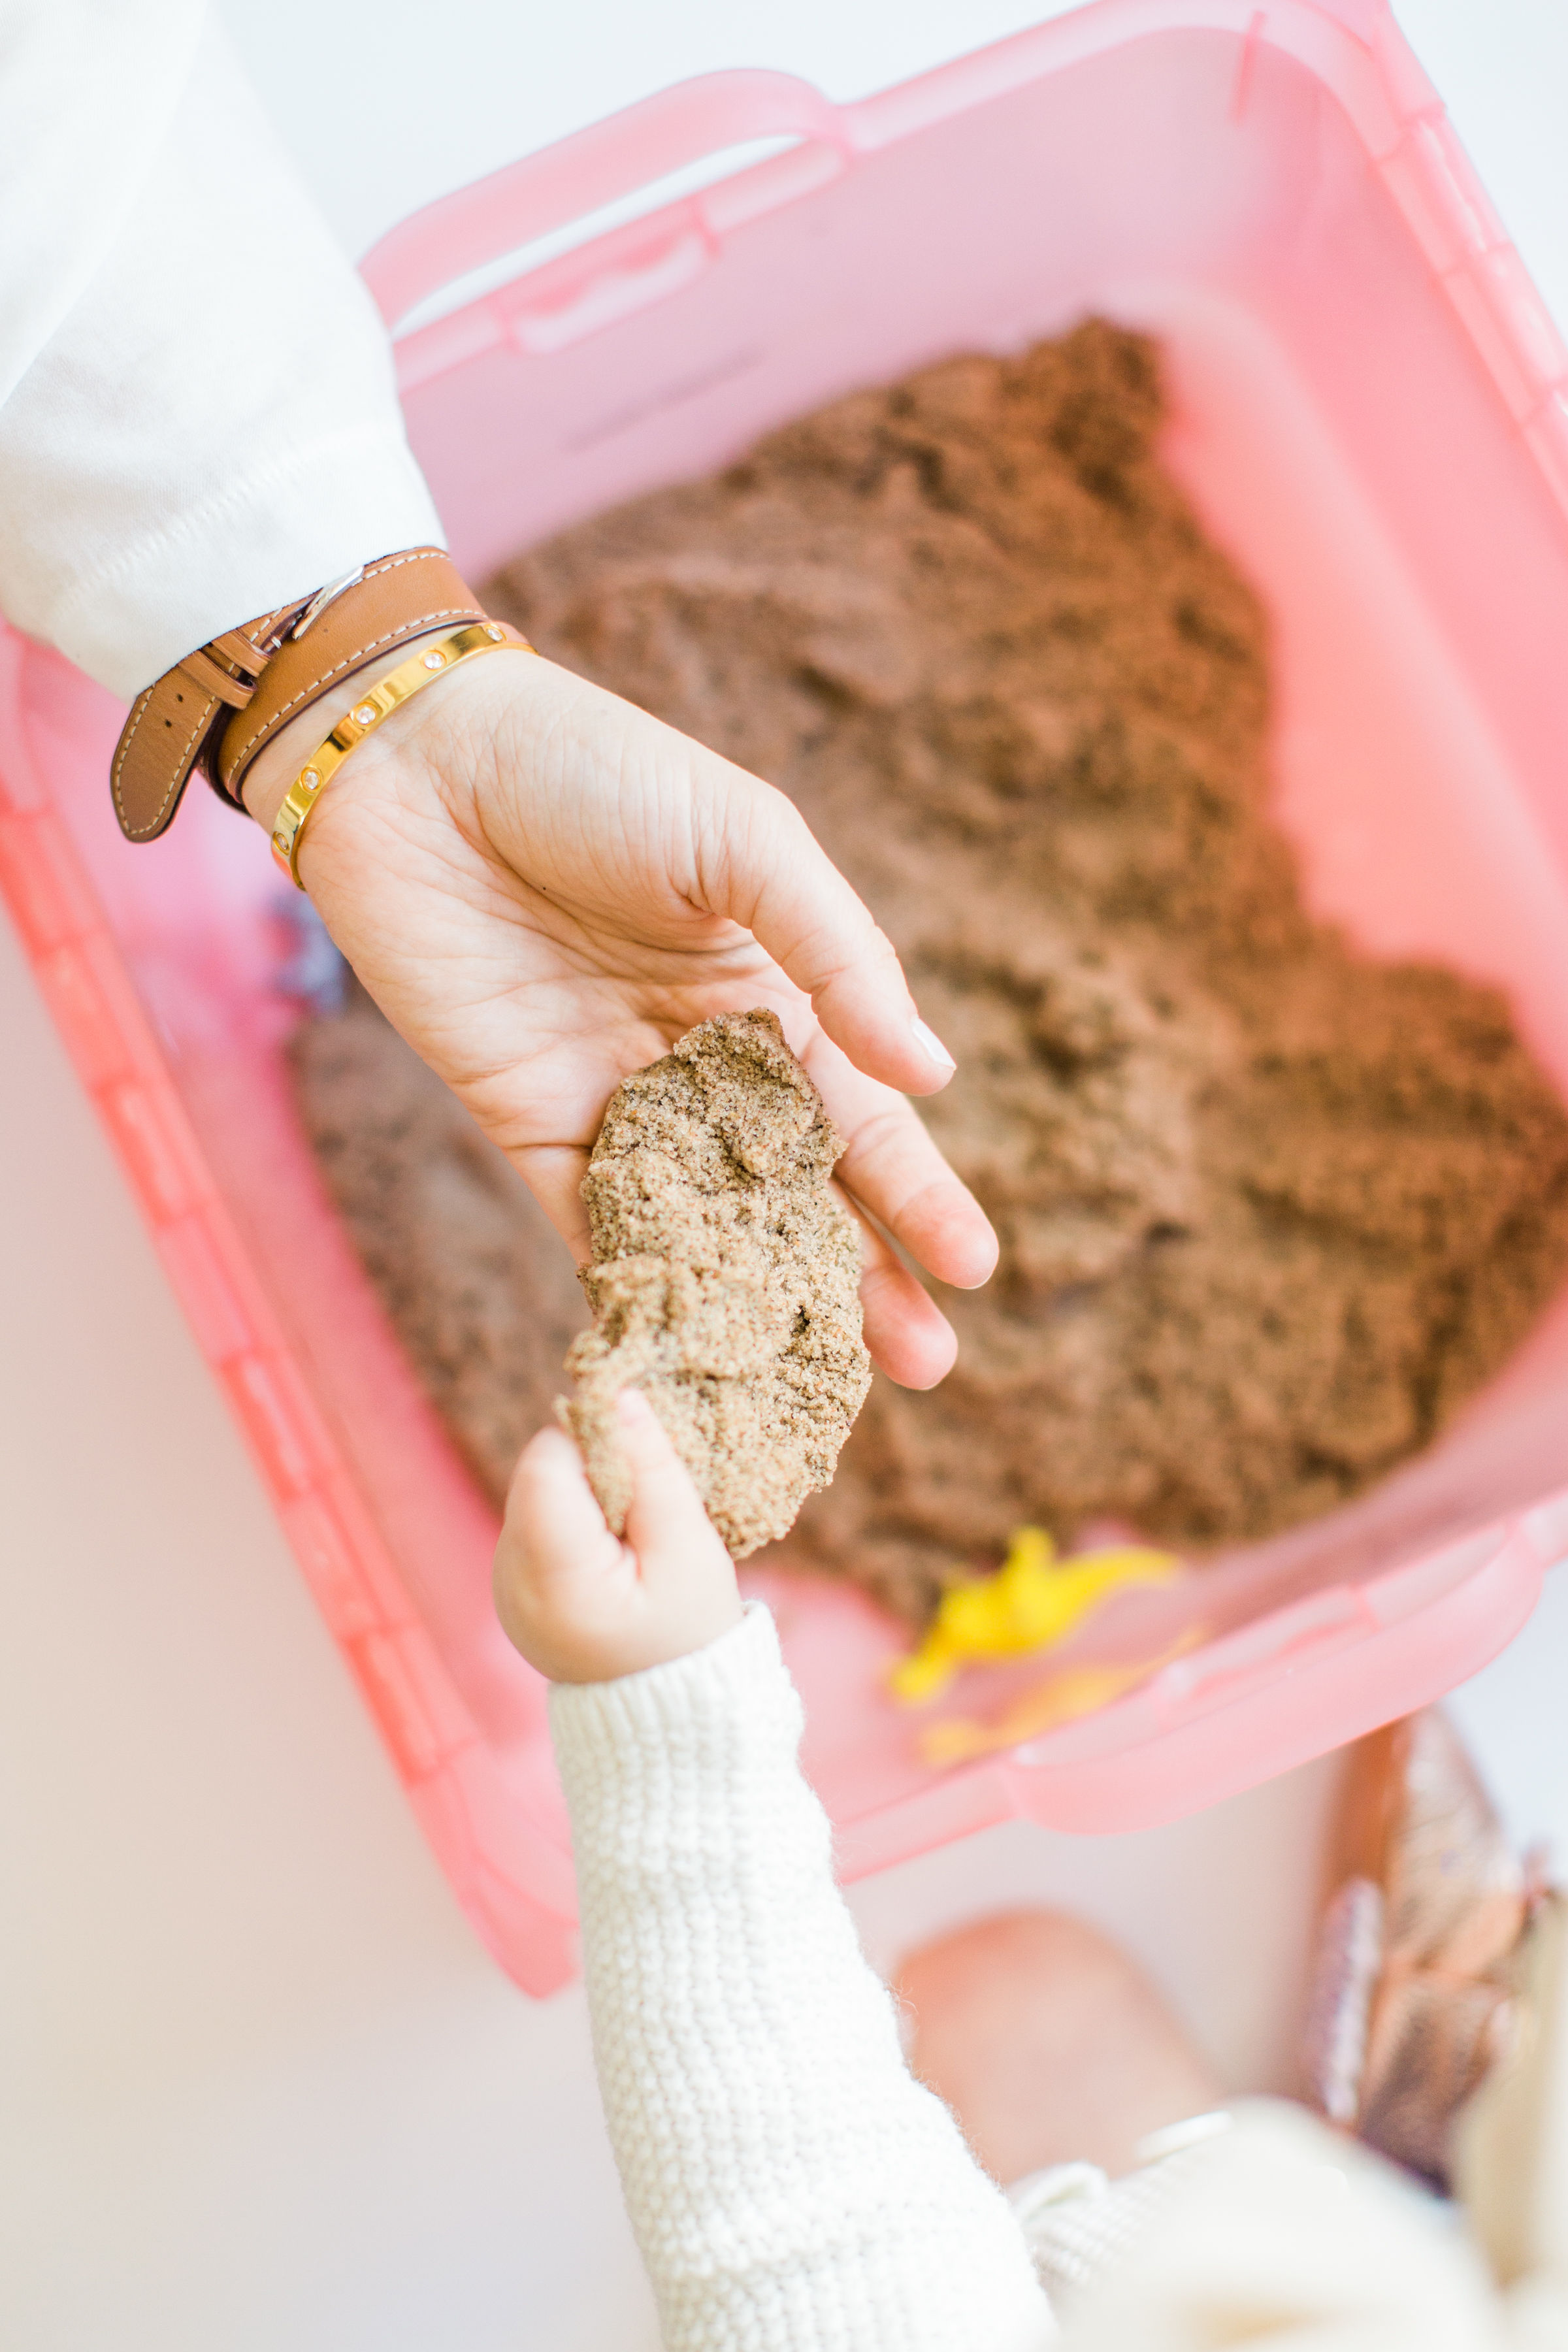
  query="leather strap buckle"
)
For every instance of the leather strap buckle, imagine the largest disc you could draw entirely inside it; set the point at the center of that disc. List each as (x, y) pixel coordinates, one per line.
(215, 709)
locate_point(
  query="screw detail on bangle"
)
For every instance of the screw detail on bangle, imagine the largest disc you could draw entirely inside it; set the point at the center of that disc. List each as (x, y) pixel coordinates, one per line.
(379, 702)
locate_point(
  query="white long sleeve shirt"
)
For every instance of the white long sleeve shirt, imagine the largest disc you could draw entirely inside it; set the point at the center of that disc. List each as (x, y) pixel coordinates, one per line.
(198, 418)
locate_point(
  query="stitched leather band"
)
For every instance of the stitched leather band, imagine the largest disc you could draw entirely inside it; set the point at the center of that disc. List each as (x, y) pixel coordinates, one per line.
(215, 710)
(174, 724)
(400, 598)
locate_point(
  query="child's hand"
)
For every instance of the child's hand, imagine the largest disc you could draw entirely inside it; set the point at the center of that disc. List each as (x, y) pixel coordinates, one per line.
(581, 1605)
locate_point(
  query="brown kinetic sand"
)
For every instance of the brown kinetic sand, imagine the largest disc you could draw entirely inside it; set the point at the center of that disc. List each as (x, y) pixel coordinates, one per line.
(1269, 1212)
(725, 1280)
(478, 1282)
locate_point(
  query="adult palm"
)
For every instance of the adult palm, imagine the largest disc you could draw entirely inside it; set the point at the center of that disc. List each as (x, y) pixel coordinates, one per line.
(542, 887)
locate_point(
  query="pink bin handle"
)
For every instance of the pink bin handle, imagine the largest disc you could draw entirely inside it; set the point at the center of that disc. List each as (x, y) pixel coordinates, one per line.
(563, 183)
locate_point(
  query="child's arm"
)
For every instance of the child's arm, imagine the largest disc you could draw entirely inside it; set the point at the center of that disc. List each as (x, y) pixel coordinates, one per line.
(792, 2188)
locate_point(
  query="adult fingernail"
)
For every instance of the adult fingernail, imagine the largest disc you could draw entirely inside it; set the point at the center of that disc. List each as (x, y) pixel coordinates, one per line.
(933, 1044)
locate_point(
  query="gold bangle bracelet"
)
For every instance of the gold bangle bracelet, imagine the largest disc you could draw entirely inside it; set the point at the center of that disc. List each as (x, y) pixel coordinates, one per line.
(431, 661)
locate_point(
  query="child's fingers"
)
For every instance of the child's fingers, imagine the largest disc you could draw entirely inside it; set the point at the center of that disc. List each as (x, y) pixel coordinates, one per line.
(584, 1608)
(665, 1518)
(551, 1512)
(553, 1548)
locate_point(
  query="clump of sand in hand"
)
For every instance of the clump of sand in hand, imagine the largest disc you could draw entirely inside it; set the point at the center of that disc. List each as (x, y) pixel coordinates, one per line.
(724, 1280)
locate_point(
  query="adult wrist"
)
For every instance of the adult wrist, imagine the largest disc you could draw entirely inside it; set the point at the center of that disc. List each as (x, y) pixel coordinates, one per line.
(280, 759)
(220, 708)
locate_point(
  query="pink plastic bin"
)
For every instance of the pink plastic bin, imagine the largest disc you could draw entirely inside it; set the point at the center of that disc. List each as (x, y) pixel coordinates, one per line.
(1371, 411)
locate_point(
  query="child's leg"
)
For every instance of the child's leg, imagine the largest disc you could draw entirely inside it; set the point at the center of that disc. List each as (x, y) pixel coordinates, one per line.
(1048, 2045)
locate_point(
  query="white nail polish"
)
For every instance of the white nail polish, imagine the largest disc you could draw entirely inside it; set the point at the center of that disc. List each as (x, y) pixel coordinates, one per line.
(933, 1044)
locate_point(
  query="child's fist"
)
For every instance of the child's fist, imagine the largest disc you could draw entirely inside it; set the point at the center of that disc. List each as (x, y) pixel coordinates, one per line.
(581, 1605)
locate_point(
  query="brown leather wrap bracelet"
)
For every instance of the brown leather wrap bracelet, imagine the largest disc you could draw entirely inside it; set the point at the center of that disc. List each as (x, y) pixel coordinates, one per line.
(215, 710)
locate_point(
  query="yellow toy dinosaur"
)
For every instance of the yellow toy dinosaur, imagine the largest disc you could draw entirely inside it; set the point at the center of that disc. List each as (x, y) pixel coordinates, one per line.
(1063, 1697)
(1032, 1602)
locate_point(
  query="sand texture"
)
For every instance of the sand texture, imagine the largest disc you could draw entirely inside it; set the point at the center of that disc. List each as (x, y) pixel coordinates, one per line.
(1269, 1212)
(724, 1280)
(478, 1285)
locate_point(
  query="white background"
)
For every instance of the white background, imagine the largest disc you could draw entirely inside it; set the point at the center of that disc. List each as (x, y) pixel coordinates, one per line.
(258, 2086)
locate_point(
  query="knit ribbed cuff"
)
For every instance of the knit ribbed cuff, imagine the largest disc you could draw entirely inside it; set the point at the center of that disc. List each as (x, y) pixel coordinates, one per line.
(740, 1681)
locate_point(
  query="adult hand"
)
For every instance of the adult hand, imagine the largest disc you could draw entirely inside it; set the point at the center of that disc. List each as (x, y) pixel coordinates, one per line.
(542, 887)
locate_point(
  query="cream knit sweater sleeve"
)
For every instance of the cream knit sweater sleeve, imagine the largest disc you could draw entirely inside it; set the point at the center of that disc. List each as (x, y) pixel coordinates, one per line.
(792, 2188)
